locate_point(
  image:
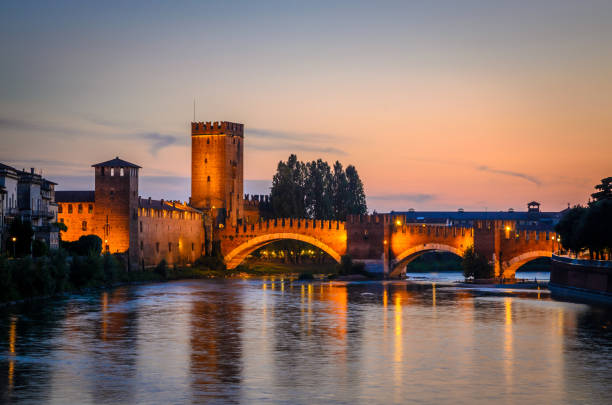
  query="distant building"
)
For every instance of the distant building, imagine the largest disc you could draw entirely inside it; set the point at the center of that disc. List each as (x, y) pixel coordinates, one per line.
(30, 197)
(532, 219)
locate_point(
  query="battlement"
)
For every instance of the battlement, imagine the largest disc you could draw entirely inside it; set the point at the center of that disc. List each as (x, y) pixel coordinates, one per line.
(217, 128)
(285, 225)
(369, 219)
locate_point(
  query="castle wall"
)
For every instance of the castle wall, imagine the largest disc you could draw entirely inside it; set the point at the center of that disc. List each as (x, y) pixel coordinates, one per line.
(78, 223)
(217, 168)
(174, 236)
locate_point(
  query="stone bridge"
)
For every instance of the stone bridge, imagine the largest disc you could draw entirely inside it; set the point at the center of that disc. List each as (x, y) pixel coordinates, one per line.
(386, 243)
(238, 242)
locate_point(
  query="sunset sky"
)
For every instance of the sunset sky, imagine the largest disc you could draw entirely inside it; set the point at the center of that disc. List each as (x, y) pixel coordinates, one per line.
(439, 105)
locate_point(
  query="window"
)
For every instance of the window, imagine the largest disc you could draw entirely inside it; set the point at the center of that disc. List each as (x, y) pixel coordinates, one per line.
(70, 208)
(121, 172)
(90, 208)
(205, 160)
(192, 246)
(134, 214)
(207, 141)
(140, 226)
(141, 245)
(80, 208)
(169, 246)
(84, 225)
(112, 171)
(208, 179)
(157, 247)
(234, 141)
(60, 208)
(101, 171)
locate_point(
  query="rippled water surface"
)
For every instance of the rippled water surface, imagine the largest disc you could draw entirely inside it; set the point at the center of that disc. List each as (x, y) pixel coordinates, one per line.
(273, 341)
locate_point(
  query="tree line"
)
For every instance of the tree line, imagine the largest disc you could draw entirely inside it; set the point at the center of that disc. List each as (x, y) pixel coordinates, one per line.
(589, 228)
(315, 190)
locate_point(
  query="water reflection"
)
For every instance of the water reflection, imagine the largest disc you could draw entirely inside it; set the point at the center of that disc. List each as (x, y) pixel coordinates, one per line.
(287, 341)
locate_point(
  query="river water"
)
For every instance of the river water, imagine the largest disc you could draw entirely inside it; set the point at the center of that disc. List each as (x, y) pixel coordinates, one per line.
(277, 341)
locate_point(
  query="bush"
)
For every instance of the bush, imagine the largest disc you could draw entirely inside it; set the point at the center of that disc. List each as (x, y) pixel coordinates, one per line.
(476, 266)
(86, 271)
(86, 245)
(210, 262)
(162, 268)
(39, 248)
(111, 268)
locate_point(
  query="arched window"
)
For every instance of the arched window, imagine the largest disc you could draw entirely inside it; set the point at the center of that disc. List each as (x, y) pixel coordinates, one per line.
(80, 208)
(112, 171)
(121, 172)
(84, 225)
(208, 179)
(70, 208)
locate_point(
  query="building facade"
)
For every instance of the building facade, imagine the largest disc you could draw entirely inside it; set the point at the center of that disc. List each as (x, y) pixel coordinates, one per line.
(217, 170)
(147, 231)
(30, 197)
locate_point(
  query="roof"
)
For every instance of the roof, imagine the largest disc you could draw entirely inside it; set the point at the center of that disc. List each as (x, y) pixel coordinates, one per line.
(116, 162)
(475, 215)
(75, 196)
(6, 167)
(165, 205)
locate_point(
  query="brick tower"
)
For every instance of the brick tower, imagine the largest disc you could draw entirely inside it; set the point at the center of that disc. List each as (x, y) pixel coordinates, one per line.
(116, 206)
(217, 169)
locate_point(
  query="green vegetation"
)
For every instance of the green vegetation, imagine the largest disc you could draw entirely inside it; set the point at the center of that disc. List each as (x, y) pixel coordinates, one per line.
(86, 245)
(313, 190)
(589, 228)
(475, 266)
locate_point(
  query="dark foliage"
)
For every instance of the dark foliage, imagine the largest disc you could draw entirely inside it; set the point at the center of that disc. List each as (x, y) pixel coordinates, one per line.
(476, 266)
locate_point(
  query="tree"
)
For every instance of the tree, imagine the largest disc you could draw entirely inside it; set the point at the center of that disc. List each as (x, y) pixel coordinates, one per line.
(340, 192)
(356, 204)
(605, 190)
(318, 190)
(570, 229)
(476, 266)
(287, 192)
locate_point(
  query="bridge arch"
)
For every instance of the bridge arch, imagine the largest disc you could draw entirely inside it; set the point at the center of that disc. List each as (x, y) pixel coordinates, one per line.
(511, 266)
(410, 254)
(240, 252)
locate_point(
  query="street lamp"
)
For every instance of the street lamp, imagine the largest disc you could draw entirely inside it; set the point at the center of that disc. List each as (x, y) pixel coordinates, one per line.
(14, 239)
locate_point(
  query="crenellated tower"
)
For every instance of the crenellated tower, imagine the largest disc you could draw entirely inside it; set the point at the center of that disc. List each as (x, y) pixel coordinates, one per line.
(116, 206)
(217, 169)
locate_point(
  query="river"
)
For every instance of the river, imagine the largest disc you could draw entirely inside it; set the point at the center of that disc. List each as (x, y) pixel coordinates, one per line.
(279, 341)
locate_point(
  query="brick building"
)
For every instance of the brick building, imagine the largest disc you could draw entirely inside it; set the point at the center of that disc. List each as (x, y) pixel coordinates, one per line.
(146, 230)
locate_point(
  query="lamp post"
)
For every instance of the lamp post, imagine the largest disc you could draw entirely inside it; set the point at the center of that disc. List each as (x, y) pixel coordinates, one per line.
(14, 239)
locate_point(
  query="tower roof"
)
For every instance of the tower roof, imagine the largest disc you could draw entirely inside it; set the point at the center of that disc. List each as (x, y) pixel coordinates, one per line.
(116, 162)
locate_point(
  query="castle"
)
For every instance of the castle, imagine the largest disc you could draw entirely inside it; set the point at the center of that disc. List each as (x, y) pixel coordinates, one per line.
(149, 231)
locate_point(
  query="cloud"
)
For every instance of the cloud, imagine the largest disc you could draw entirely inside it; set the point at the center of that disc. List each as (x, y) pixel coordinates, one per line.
(266, 139)
(159, 141)
(300, 136)
(523, 176)
(414, 197)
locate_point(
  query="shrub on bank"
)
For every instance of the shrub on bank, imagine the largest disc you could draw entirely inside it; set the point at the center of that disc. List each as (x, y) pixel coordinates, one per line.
(475, 266)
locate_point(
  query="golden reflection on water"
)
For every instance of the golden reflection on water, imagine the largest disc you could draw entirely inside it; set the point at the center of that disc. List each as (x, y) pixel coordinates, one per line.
(508, 342)
(12, 341)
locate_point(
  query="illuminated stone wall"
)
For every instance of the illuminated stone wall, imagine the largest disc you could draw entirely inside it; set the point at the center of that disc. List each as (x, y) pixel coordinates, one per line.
(238, 242)
(76, 220)
(217, 168)
(176, 236)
